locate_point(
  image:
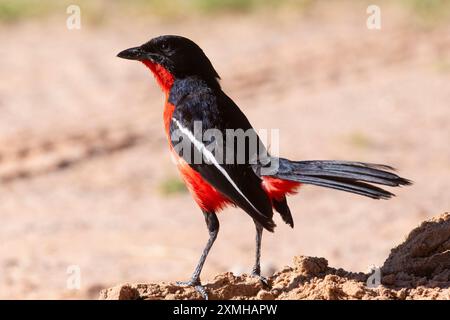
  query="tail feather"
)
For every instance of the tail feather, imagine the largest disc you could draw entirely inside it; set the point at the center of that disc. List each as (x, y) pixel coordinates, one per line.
(282, 208)
(354, 177)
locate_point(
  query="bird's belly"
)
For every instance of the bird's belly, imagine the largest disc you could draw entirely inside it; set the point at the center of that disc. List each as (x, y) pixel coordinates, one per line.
(206, 196)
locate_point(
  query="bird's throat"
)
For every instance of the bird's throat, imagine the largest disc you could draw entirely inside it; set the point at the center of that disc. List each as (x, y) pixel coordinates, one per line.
(164, 78)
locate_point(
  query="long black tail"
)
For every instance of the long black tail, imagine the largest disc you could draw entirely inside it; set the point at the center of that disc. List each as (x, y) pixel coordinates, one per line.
(354, 177)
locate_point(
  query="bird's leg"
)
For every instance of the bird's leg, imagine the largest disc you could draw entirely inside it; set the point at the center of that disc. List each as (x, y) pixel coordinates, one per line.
(213, 228)
(256, 271)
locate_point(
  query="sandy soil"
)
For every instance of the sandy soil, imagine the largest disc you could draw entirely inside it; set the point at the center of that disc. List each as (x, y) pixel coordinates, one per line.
(83, 153)
(419, 268)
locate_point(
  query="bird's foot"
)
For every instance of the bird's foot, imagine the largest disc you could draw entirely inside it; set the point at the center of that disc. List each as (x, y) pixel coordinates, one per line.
(263, 280)
(197, 286)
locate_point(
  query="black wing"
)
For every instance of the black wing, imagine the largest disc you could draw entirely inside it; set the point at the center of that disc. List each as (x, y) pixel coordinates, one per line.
(198, 134)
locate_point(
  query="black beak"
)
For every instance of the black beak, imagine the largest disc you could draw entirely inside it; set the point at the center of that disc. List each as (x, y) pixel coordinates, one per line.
(135, 53)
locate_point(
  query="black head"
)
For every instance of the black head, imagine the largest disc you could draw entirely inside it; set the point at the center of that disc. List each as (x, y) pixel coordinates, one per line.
(180, 56)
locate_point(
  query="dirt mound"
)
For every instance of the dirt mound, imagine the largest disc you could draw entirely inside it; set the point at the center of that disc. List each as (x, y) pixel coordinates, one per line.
(419, 268)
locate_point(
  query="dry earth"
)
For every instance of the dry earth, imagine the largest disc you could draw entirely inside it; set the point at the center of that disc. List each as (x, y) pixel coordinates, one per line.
(419, 268)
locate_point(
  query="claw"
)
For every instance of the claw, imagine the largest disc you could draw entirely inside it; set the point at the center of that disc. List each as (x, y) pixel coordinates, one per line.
(197, 286)
(201, 289)
(263, 280)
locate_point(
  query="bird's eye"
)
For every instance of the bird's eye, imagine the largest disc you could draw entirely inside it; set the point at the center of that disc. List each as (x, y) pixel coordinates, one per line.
(164, 46)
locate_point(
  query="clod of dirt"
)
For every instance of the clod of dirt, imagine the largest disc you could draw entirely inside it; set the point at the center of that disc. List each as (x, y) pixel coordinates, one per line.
(419, 268)
(425, 252)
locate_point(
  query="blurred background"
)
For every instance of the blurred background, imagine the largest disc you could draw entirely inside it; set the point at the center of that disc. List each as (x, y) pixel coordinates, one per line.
(87, 183)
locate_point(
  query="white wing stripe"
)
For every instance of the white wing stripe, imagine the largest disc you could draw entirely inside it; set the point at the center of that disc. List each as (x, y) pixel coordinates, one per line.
(202, 148)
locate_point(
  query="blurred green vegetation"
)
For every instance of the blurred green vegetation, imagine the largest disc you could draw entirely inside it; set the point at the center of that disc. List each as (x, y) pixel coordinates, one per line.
(15, 10)
(442, 65)
(429, 8)
(97, 10)
(360, 140)
(171, 186)
(11, 10)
